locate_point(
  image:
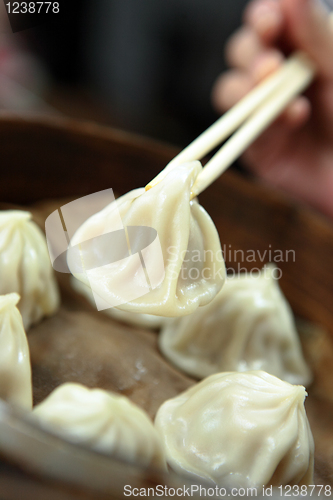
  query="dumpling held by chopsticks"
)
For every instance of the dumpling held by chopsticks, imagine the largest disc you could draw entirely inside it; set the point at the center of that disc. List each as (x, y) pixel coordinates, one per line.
(153, 252)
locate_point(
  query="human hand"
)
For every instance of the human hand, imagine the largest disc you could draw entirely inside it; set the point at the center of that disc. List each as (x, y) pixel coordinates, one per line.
(296, 152)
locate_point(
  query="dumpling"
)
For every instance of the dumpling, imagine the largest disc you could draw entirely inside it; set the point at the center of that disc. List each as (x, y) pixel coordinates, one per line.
(15, 369)
(239, 430)
(248, 326)
(164, 251)
(105, 422)
(25, 266)
(136, 319)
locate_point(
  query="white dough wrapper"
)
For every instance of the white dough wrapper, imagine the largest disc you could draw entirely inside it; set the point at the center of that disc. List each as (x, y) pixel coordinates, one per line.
(248, 326)
(15, 368)
(135, 319)
(105, 422)
(25, 266)
(239, 430)
(184, 264)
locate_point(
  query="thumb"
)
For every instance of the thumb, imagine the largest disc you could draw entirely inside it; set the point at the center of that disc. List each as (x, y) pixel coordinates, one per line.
(311, 30)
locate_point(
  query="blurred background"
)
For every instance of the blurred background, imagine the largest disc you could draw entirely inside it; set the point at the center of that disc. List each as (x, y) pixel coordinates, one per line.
(142, 65)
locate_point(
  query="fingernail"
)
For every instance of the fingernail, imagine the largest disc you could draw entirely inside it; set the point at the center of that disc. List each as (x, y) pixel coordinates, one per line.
(266, 64)
(266, 16)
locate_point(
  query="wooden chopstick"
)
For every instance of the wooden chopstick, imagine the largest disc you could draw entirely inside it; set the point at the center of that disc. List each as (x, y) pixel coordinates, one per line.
(229, 122)
(296, 80)
(256, 112)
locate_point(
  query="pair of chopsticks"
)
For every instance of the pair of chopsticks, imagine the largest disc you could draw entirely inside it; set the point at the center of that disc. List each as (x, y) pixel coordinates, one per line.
(246, 121)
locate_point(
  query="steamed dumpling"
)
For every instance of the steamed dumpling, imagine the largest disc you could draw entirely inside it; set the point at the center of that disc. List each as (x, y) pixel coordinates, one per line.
(25, 266)
(105, 422)
(248, 326)
(170, 275)
(15, 369)
(136, 319)
(239, 430)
